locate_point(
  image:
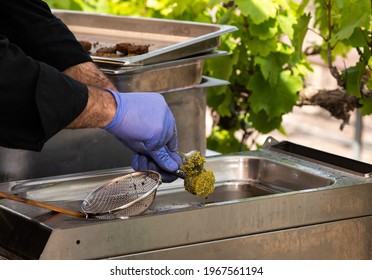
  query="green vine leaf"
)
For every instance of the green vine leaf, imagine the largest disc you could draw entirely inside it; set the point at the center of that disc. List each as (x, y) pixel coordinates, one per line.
(369, 75)
(366, 108)
(357, 39)
(258, 10)
(347, 31)
(352, 13)
(271, 66)
(63, 4)
(286, 23)
(275, 100)
(300, 31)
(300, 8)
(369, 82)
(224, 141)
(353, 76)
(263, 123)
(262, 48)
(222, 67)
(222, 102)
(266, 30)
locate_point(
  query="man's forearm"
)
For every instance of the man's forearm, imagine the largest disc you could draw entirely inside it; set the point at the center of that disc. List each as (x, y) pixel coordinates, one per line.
(101, 106)
(99, 111)
(89, 74)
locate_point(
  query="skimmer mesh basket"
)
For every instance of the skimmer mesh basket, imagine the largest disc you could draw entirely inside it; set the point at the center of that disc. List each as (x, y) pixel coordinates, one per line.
(124, 196)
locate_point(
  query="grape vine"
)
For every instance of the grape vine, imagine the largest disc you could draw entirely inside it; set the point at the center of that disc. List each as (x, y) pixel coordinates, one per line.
(268, 62)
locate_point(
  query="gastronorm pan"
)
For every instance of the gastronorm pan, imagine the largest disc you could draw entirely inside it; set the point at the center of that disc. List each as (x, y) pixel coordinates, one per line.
(167, 39)
(160, 77)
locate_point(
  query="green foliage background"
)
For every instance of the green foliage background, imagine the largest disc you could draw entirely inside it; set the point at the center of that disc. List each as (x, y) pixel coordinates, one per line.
(267, 64)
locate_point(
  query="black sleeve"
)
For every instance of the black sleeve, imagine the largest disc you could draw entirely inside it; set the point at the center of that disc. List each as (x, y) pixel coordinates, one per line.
(31, 25)
(36, 100)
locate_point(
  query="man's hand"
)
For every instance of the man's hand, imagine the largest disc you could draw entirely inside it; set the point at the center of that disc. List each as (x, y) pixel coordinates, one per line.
(144, 123)
(141, 121)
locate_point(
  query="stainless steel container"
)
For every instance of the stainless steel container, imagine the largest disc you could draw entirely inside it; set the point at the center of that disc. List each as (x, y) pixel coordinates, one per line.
(268, 204)
(168, 39)
(161, 77)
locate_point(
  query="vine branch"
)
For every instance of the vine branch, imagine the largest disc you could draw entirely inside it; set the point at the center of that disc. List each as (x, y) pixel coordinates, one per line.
(332, 69)
(336, 101)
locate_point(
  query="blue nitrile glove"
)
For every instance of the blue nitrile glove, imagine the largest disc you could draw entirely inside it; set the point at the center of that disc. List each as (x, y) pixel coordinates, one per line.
(145, 124)
(143, 162)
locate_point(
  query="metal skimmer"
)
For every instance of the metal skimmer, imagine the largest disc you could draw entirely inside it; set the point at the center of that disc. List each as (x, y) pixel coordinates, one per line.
(124, 196)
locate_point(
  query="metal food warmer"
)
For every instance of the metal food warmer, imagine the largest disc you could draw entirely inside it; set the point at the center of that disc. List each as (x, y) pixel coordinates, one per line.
(283, 201)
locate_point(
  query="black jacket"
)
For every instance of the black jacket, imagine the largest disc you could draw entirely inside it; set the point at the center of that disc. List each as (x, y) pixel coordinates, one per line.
(36, 99)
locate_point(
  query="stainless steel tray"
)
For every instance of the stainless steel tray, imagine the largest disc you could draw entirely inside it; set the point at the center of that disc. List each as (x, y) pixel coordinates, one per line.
(168, 39)
(160, 77)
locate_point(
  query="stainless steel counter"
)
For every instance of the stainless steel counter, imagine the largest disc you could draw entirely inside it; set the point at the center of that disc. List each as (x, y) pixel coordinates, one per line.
(267, 205)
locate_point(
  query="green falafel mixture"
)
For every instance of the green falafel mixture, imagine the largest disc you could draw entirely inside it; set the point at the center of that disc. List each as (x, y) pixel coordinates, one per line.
(198, 181)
